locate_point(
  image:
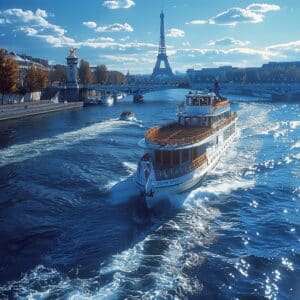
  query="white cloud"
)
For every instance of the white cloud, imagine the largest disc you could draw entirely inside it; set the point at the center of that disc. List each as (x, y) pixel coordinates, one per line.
(197, 22)
(126, 38)
(35, 24)
(29, 31)
(55, 41)
(37, 18)
(41, 13)
(253, 13)
(98, 44)
(228, 41)
(175, 32)
(130, 58)
(186, 44)
(116, 27)
(290, 50)
(116, 4)
(90, 24)
(263, 7)
(101, 39)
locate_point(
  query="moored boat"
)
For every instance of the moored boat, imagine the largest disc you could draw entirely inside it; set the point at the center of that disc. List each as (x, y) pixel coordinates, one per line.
(178, 154)
(107, 100)
(138, 97)
(92, 101)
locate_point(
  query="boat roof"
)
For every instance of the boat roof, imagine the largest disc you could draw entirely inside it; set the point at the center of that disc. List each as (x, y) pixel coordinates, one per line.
(174, 133)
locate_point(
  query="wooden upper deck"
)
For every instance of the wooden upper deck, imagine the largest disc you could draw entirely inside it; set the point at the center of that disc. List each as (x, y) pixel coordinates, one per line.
(174, 134)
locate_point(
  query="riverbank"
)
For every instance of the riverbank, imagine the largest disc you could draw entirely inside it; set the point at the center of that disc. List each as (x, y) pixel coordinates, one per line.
(28, 109)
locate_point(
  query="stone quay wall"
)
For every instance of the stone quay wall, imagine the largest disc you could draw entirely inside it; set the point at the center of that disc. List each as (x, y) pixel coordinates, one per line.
(27, 109)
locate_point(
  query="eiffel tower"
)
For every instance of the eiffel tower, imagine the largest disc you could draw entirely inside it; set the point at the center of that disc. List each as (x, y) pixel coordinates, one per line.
(159, 71)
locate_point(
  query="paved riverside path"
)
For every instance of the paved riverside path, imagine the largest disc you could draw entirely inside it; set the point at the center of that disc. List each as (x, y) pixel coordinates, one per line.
(26, 109)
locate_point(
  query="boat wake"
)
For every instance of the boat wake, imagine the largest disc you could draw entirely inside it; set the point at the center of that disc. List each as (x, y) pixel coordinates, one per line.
(160, 263)
(21, 152)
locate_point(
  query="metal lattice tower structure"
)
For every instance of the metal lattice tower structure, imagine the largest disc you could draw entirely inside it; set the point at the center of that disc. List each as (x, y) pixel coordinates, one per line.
(165, 71)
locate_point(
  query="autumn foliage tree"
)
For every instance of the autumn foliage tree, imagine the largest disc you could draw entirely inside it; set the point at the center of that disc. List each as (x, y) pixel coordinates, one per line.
(9, 75)
(58, 74)
(115, 77)
(35, 79)
(101, 74)
(85, 74)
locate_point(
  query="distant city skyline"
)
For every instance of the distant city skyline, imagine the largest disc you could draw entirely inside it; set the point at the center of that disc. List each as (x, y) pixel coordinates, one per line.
(124, 34)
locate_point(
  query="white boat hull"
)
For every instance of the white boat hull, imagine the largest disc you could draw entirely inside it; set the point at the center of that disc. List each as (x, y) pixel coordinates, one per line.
(164, 189)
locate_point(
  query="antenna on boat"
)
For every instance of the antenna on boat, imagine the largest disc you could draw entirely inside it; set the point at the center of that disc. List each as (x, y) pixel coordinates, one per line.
(217, 87)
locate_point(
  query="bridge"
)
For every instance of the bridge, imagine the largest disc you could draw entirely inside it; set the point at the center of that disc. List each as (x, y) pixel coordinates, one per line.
(132, 88)
(97, 91)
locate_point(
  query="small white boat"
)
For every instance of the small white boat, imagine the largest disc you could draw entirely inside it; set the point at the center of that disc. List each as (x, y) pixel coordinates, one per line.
(127, 116)
(107, 100)
(119, 96)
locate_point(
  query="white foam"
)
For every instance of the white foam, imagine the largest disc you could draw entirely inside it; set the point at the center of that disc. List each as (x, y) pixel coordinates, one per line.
(21, 152)
(280, 133)
(287, 160)
(296, 146)
(294, 124)
(297, 156)
(216, 188)
(131, 167)
(123, 190)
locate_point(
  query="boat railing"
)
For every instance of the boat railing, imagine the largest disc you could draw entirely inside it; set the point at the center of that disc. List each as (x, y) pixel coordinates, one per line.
(151, 135)
(220, 103)
(174, 172)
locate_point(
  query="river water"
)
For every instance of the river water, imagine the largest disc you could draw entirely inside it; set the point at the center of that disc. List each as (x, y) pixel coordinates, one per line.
(73, 226)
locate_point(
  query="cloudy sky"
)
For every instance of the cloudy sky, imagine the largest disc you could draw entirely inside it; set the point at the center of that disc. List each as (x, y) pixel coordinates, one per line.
(124, 34)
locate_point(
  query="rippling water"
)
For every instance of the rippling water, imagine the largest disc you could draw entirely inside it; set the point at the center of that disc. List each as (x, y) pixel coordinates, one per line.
(73, 226)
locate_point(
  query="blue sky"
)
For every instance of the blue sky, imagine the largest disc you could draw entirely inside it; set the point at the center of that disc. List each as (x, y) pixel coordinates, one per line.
(124, 34)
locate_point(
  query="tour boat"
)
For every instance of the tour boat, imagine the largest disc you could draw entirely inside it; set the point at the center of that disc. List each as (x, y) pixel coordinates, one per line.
(178, 154)
(127, 116)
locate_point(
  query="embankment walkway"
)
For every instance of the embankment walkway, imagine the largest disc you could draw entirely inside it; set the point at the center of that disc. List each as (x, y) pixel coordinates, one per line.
(27, 109)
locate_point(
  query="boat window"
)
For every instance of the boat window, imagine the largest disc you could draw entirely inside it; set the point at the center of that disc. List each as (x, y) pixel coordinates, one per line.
(202, 148)
(195, 102)
(185, 155)
(187, 121)
(194, 153)
(166, 158)
(157, 157)
(176, 157)
(194, 121)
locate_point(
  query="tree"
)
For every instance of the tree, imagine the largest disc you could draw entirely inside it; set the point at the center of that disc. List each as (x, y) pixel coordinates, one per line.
(35, 79)
(85, 74)
(9, 75)
(115, 77)
(101, 74)
(58, 74)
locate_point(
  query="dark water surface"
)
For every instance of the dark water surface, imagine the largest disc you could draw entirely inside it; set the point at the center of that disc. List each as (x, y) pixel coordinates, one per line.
(72, 225)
